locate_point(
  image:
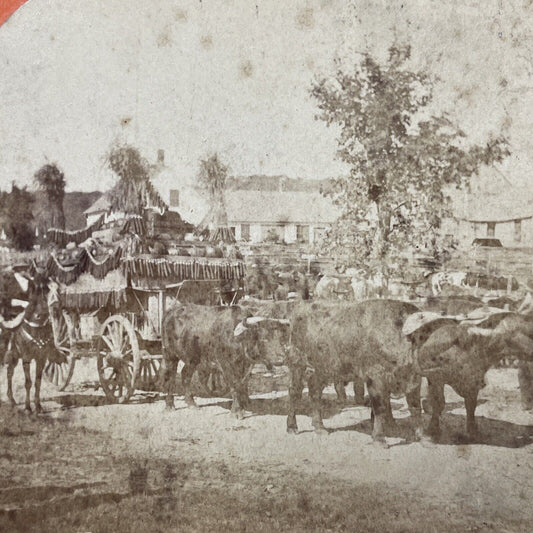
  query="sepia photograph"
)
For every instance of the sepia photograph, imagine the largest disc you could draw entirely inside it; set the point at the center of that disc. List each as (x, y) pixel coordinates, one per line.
(266, 265)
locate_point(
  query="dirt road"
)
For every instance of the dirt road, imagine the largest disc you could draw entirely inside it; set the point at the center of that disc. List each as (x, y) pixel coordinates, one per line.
(250, 475)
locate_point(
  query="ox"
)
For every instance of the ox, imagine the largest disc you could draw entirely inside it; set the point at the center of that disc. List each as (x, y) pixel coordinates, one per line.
(452, 305)
(334, 288)
(459, 353)
(226, 337)
(437, 280)
(284, 310)
(335, 342)
(366, 287)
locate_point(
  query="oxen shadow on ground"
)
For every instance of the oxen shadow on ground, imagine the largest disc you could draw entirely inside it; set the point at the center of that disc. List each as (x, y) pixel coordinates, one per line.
(74, 400)
(491, 432)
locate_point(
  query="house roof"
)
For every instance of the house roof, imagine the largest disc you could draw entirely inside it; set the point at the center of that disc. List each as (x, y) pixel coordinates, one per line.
(500, 205)
(102, 204)
(273, 207)
(493, 197)
(515, 205)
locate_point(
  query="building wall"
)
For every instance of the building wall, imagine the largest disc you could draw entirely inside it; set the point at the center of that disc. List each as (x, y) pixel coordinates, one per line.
(92, 218)
(290, 233)
(109, 217)
(507, 232)
(255, 233)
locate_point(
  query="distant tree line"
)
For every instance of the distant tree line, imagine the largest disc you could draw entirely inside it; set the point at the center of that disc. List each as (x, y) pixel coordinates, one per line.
(16, 215)
(21, 215)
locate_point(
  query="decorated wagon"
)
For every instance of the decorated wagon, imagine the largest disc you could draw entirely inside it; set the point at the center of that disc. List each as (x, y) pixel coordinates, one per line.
(113, 310)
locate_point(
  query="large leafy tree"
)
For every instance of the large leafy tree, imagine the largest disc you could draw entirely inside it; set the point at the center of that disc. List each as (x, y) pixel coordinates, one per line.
(212, 177)
(133, 190)
(403, 161)
(16, 215)
(51, 182)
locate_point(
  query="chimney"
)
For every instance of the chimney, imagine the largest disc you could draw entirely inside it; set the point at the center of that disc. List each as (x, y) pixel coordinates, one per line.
(161, 157)
(282, 181)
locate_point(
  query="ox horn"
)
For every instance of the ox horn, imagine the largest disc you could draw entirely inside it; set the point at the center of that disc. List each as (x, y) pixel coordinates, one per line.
(22, 281)
(501, 329)
(251, 321)
(483, 332)
(526, 305)
(15, 302)
(239, 329)
(284, 321)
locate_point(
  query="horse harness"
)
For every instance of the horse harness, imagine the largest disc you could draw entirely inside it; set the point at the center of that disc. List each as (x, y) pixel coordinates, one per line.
(31, 338)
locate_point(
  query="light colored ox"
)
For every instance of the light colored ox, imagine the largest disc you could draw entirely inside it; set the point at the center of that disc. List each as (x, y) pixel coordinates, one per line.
(437, 280)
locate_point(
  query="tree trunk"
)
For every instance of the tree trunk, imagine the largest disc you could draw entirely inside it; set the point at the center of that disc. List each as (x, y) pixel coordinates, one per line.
(381, 243)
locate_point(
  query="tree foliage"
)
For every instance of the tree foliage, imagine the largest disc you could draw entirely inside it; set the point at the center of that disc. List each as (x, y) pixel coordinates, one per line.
(16, 214)
(402, 161)
(133, 190)
(51, 182)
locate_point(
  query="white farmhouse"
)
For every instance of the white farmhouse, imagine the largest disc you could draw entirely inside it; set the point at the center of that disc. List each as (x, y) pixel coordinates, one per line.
(259, 216)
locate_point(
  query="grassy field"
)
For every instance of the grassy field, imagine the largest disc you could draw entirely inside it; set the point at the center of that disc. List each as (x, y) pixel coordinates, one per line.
(57, 478)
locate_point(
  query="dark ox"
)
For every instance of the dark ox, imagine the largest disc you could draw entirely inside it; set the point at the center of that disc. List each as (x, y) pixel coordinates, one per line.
(226, 337)
(284, 310)
(330, 343)
(459, 355)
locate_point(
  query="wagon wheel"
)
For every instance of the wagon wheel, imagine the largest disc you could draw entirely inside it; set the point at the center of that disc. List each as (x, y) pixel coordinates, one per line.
(58, 370)
(119, 359)
(212, 381)
(149, 374)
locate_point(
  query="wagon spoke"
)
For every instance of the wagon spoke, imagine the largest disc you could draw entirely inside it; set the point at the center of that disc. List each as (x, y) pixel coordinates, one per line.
(114, 338)
(109, 343)
(125, 342)
(60, 368)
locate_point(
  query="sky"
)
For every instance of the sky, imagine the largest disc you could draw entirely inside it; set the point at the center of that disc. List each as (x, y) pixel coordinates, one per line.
(233, 76)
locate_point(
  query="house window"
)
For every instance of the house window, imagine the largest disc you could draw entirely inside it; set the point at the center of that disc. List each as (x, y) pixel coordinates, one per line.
(272, 233)
(174, 198)
(232, 229)
(491, 229)
(517, 230)
(302, 233)
(245, 232)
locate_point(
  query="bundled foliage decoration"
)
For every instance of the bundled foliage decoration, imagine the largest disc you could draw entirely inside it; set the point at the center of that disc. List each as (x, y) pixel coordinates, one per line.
(402, 161)
(133, 191)
(51, 182)
(212, 177)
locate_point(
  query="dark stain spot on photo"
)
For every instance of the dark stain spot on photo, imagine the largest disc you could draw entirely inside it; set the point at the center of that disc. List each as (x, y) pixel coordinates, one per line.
(305, 18)
(206, 41)
(246, 69)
